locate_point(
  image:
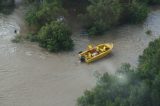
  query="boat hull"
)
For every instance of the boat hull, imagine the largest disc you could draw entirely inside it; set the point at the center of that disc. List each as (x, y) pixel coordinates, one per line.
(102, 54)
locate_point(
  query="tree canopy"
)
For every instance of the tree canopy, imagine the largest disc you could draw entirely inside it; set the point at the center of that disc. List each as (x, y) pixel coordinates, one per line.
(55, 37)
(48, 18)
(97, 16)
(6, 6)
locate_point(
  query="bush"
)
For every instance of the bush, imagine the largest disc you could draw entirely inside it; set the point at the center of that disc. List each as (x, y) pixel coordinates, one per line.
(32, 37)
(143, 1)
(137, 12)
(149, 2)
(154, 1)
(102, 15)
(55, 37)
(149, 61)
(6, 6)
(53, 34)
(31, 17)
(39, 15)
(111, 90)
(29, 1)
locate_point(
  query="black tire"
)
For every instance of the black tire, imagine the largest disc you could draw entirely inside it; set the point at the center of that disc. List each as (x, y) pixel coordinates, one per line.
(82, 59)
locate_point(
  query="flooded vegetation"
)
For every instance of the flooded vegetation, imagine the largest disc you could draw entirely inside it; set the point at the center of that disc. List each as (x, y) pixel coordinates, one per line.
(31, 76)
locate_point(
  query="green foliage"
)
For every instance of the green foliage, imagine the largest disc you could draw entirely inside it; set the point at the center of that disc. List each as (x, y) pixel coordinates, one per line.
(144, 1)
(98, 15)
(53, 34)
(30, 1)
(154, 1)
(44, 13)
(149, 61)
(6, 6)
(76, 6)
(140, 95)
(129, 87)
(137, 12)
(155, 95)
(32, 37)
(150, 2)
(111, 90)
(55, 37)
(31, 17)
(102, 15)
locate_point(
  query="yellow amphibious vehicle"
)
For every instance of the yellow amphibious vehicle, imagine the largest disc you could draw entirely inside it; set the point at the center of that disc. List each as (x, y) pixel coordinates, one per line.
(95, 53)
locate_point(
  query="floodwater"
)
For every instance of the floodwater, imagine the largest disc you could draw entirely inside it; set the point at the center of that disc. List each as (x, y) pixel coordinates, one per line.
(30, 76)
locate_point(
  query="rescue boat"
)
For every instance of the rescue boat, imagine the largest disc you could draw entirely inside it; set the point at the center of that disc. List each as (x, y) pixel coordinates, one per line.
(95, 53)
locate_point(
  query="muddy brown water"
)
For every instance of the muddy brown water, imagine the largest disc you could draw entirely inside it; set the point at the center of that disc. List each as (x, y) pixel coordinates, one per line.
(30, 76)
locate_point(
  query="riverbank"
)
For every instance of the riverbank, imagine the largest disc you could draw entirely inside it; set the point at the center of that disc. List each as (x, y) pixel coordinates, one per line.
(30, 76)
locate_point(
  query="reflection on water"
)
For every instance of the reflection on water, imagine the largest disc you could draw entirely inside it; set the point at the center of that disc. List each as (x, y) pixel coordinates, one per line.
(30, 76)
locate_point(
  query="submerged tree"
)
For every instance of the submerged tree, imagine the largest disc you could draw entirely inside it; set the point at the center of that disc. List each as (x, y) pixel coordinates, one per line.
(44, 13)
(6, 6)
(55, 37)
(102, 15)
(51, 29)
